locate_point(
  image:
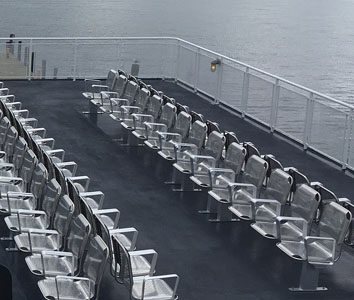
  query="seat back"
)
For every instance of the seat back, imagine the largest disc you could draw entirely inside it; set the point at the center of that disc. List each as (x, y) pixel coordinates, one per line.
(131, 91)
(142, 98)
(255, 171)
(10, 141)
(87, 212)
(196, 117)
(251, 150)
(4, 127)
(197, 134)
(212, 126)
(214, 145)
(78, 235)
(230, 138)
(182, 108)
(168, 115)
(334, 223)
(298, 179)
(74, 195)
(39, 178)
(19, 152)
(28, 165)
(273, 164)
(95, 262)
(123, 263)
(111, 78)
(183, 124)
(154, 106)
(278, 186)
(50, 198)
(63, 215)
(305, 203)
(235, 158)
(166, 99)
(119, 85)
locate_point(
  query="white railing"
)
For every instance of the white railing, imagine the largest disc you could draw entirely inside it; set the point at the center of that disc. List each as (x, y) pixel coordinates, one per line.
(312, 119)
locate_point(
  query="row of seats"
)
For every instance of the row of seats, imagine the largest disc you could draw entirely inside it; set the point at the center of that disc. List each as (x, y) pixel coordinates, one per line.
(309, 222)
(52, 216)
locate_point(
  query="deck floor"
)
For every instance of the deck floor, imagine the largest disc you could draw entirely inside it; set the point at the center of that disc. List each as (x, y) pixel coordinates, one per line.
(224, 261)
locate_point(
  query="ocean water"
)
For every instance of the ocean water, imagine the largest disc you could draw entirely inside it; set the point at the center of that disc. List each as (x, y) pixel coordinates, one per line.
(310, 42)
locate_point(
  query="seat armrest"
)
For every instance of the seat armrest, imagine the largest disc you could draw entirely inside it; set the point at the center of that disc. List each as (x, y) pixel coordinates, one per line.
(246, 187)
(11, 180)
(58, 254)
(129, 230)
(83, 281)
(98, 196)
(203, 161)
(296, 223)
(84, 180)
(272, 206)
(109, 211)
(46, 141)
(33, 122)
(7, 98)
(221, 177)
(6, 166)
(22, 113)
(43, 232)
(315, 246)
(99, 87)
(118, 101)
(69, 165)
(150, 253)
(173, 277)
(4, 91)
(38, 131)
(33, 213)
(183, 149)
(59, 153)
(2, 154)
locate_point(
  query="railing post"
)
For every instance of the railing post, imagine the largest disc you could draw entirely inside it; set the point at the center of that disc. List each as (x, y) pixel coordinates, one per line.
(275, 103)
(177, 60)
(219, 81)
(246, 80)
(347, 139)
(196, 70)
(29, 75)
(75, 61)
(308, 120)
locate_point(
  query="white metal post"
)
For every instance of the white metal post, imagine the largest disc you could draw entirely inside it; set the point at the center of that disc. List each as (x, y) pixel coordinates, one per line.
(348, 136)
(246, 79)
(29, 75)
(308, 120)
(75, 60)
(196, 70)
(219, 81)
(178, 60)
(275, 103)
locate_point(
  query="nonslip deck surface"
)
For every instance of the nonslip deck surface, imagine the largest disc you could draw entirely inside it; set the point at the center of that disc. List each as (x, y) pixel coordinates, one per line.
(214, 261)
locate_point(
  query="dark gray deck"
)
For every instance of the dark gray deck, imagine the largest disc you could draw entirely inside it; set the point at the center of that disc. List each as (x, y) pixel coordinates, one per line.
(215, 261)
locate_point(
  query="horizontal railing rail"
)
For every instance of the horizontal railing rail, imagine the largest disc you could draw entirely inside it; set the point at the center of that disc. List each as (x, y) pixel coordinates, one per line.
(317, 121)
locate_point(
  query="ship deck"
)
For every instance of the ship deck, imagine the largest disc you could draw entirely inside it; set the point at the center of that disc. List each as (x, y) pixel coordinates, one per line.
(218, 261)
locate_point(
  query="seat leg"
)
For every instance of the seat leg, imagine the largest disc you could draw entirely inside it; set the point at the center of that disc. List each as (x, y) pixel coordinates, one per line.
(223, 213)
(176, 178)
(187, 185)
(308, 279)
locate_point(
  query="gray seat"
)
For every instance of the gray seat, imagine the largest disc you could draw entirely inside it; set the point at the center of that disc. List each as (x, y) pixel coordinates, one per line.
(277, 188)
(17, 197)
(37, 240)
(198, 165)
(141, 265)
(321, 248)
(115, 108)
(297, 220)
(251, 179)
(67, 262)
(9, 145)
(37, 219)
(5, 125)
(143, 287)
(177, 134)
(87, 284)
(93, 88)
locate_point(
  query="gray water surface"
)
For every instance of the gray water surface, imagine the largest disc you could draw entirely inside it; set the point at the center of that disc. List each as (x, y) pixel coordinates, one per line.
(310, 42)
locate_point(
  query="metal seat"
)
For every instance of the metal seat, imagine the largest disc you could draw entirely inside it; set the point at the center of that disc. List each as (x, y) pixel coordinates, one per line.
(9, 145)
(177, 134)
(37, 240)
(321, 248)
(200, 164)
(143, 287)
(251, 178)
(278, 188)
(87, 285)
(94, 87)
(127, 99)
(5, 125)
(297, 220)
(67, 262)
(16, 196)
(37, 219)
(140, 263)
